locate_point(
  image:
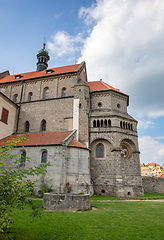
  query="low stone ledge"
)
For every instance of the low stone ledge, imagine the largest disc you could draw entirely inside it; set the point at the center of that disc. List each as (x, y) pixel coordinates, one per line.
(65, 202)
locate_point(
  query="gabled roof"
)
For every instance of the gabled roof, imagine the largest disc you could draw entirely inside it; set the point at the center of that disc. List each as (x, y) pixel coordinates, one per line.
(101, 86)
(43, 139)
(33, 75)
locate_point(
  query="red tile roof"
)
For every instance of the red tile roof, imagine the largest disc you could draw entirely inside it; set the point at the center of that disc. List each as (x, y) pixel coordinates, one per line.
(42, 138)
(153, 164)
(75, 143)
(31, 75)
(101, 86)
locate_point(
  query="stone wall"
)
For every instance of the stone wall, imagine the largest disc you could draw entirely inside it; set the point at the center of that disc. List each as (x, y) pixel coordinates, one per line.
(69, 165)
(66, 202)
(153, 184)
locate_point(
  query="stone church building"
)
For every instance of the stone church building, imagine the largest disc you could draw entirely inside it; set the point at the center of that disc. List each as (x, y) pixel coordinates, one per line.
(81, 128)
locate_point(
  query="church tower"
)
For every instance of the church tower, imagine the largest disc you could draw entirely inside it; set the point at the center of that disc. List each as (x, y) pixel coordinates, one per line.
(43, 58)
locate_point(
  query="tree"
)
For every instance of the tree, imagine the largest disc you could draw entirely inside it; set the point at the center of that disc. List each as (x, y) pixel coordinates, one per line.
(15, 186)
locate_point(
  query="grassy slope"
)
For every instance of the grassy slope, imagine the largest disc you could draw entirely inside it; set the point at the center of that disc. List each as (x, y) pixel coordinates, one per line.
(113, 220)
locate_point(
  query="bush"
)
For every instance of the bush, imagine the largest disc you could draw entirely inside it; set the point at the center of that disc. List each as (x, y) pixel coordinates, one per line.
(14, 184)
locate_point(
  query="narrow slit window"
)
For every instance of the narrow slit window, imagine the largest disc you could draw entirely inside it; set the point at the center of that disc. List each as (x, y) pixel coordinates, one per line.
(44, 157)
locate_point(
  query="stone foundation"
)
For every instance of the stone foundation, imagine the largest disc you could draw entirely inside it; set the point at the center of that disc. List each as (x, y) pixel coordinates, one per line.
(66, 202)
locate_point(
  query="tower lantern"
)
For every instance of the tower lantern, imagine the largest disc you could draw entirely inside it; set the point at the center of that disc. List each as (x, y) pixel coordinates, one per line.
(43, 58)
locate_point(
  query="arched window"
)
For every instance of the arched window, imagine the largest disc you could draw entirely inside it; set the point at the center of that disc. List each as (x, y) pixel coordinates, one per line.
(109, 122)
(44, 157)
(22, 159)
(121, 124)
(63, 92)
(131, 126)
(46, 93)
(30, 96)
(126, 125)
(15, 98)
(100, 151)
(27, 126)
(94, 123)
(98, 123)
(43, 125)
(105, 123)
(101, 123)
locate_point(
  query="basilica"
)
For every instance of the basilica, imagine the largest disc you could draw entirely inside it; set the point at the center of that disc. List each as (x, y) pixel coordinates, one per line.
(81, 128)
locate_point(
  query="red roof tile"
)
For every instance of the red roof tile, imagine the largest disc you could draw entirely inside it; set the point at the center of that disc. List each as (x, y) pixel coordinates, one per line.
(31, 75)
(101, 86)
(75, 143)
(153, 164)
(42, 138)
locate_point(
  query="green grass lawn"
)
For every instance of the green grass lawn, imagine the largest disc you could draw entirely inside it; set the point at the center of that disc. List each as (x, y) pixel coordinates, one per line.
(112, 220)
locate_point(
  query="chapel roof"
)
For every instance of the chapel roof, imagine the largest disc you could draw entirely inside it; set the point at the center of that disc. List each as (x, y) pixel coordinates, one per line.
(101, 86)
(44, 73)
(43, 138)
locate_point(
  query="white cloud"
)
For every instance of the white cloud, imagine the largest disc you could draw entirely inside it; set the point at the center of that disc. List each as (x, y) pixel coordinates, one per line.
(146, 124)
(151, 150)
(126, 48)
(63, 43)
(58, 15)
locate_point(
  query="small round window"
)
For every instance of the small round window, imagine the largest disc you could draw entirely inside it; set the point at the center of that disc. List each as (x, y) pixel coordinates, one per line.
(99, 104)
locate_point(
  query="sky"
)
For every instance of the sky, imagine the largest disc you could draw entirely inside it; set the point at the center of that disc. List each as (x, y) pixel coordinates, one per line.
(121, 41)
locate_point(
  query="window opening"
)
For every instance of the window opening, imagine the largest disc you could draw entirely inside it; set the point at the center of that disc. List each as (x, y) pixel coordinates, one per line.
(43, 125)
(30, 95)
(15, 98)
(105, 123)
(4, 116)
(109, 122)
(46, 93)
(44, 157)
(23, 159)
(99, 104)
(27, 126)
(100, 151)
(98, 123)
(94, 123)
(121, 124)
(63, 92)
(101, 123)
(129, 126)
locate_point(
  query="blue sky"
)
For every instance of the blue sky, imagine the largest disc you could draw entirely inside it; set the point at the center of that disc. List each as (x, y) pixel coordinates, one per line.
(121, 42)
